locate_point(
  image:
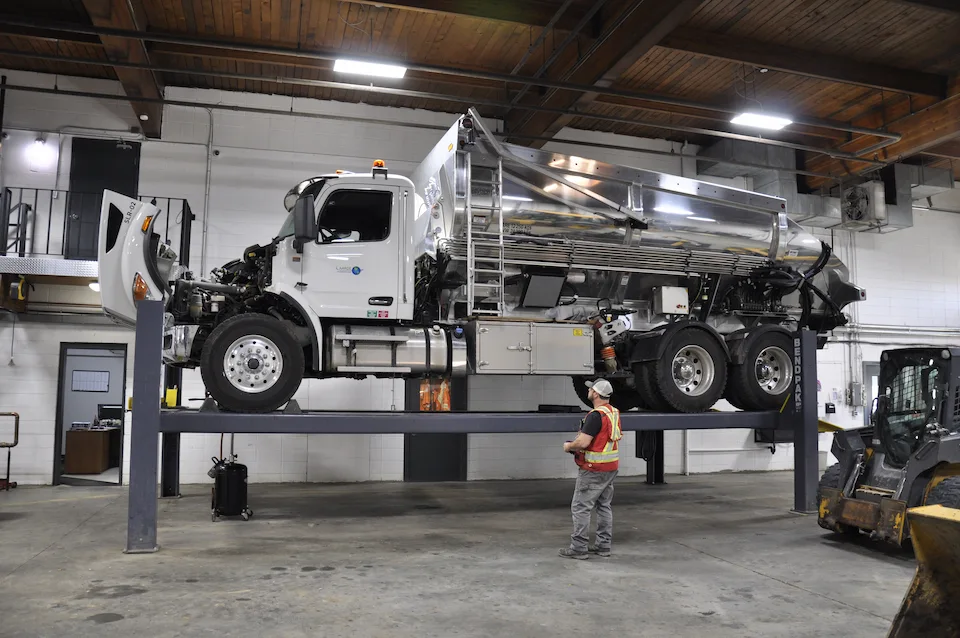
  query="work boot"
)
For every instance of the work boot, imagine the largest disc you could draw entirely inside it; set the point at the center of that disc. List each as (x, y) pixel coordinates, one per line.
(566, 552)
(602, 552)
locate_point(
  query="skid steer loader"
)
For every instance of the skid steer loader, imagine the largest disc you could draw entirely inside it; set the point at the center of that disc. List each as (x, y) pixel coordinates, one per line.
(910, 454)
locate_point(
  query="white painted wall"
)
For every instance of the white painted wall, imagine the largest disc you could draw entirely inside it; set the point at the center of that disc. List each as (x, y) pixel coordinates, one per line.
(911, 278)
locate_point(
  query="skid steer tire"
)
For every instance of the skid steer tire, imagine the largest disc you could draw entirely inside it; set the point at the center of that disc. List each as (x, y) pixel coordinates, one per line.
(946, 493)
(831, 478)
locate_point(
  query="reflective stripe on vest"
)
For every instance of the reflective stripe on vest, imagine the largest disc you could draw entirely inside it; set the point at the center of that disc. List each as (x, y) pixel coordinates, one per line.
(610, 452)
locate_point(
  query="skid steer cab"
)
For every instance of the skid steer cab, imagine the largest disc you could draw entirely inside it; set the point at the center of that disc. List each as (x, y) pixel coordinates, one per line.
(908, 457)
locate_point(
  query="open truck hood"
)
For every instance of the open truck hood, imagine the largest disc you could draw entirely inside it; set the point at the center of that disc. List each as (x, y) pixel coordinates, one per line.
(133, 261)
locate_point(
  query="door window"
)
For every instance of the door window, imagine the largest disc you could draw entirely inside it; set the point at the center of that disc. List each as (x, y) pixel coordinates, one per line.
(355, 216)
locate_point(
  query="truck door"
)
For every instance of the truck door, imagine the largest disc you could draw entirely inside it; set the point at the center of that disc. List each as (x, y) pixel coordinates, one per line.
(353, 269)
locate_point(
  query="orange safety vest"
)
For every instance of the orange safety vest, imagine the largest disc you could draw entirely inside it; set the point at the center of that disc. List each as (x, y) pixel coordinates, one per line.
(602, 455)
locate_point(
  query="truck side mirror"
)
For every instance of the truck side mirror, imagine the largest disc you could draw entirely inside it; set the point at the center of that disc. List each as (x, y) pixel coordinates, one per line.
(304, 222)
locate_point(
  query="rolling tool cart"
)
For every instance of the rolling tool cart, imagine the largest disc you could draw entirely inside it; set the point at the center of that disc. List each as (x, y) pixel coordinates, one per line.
(5, 483)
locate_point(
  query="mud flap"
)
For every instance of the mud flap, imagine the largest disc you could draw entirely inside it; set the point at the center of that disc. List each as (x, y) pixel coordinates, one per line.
(930, 607)
(885, 520)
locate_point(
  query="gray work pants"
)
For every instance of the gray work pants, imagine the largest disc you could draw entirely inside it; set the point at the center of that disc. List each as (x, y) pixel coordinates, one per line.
(593, 490)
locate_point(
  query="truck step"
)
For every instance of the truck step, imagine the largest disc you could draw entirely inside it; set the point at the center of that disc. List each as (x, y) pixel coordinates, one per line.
(342, 336)
(374, 369)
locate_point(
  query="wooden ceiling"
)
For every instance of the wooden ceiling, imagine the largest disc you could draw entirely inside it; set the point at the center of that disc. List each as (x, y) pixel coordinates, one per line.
(674, 69)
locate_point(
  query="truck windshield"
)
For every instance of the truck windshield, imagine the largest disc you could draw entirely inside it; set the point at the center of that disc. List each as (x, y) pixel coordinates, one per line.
(287, 229)
(912, 390)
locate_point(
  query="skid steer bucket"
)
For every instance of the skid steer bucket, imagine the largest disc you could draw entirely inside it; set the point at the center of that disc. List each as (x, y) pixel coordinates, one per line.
(930, 607)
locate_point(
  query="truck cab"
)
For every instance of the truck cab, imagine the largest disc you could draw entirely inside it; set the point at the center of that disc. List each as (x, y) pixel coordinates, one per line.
(358, 265)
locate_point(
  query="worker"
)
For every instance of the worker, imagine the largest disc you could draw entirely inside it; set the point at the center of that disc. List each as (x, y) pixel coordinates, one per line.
(596, 452)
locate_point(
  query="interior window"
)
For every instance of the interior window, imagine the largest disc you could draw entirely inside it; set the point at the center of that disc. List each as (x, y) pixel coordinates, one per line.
(350, 215)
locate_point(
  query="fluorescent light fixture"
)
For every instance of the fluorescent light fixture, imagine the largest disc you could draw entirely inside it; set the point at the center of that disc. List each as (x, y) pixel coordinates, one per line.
(759, 120)
(552, 186)
(702, 219)
(667, 209)
(369, 68)
(515, 198)
(40, 156)
(94, 286)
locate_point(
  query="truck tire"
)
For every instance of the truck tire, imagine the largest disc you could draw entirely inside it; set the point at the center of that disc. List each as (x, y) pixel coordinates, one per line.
(946, 493)
(624, 397)
(691, 374)
(643, 379)
(765, 378)
(252, 363)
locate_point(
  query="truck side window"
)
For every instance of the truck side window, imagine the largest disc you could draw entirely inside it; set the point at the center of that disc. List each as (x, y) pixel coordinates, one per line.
(356, 215)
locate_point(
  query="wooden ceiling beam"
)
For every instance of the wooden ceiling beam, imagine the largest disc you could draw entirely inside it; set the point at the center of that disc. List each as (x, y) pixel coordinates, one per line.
(834, 68)
(646, 24)
(925, 129)
(944, 6)
(947, 150)
(126, 14)
(535, 13)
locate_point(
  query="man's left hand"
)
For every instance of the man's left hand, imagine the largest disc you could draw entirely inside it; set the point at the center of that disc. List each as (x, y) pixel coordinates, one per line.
(568, 446)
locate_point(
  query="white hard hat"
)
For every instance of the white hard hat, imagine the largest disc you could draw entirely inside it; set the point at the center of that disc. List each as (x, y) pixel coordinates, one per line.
(601, 387)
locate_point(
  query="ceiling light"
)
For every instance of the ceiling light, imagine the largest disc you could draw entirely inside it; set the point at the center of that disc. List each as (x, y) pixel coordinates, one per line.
(702, 219)
(94, 286)
(552, 186)
(515, 198)
(759, 120)
(144, 117)
(39, 155)
(369, 68)
(673, 210)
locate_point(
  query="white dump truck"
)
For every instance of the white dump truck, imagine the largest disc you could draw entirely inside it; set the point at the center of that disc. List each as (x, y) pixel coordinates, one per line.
(498, 259)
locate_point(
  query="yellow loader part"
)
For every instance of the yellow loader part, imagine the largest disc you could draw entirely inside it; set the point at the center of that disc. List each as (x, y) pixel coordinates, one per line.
(930, 607)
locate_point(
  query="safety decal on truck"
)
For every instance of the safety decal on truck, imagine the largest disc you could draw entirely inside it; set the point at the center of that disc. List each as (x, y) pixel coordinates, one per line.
(378, 314)
(578, 332)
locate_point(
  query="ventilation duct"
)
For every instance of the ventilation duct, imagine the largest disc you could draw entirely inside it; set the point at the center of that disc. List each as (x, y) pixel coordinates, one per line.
(884, 205)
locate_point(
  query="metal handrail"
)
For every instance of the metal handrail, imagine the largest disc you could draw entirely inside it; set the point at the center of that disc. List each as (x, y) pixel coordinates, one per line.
(16, 430)
(5, 484)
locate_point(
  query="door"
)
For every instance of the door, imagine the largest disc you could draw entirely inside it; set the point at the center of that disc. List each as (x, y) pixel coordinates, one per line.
(90, 410)
(95, 166)
(871, 384)
(353, 270)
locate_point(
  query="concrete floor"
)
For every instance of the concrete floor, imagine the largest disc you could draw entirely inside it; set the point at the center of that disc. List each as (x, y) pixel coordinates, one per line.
(708, 555)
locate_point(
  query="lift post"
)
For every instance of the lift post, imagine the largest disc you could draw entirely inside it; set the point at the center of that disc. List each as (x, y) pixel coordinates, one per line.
(149, 421)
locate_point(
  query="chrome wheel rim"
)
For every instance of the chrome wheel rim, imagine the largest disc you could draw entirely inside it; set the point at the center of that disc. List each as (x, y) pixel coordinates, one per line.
(774, 370)
(693, 370)
(253, 364)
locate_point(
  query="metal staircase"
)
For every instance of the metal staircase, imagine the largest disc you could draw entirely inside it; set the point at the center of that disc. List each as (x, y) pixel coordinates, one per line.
(485, 250)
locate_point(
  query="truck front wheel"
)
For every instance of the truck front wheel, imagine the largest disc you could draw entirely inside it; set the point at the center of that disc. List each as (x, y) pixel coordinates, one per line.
(252, 363)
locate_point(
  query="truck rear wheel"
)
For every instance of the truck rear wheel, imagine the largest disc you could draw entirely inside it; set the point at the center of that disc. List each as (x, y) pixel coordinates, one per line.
(624, 397)
(692, 372)
(765, 378)
(252, 363)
